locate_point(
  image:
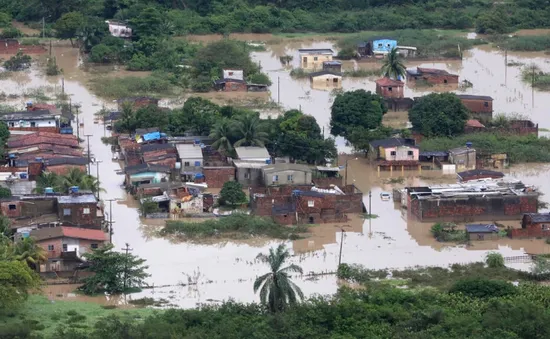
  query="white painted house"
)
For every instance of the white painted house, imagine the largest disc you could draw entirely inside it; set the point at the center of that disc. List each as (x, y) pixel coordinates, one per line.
(30, 119)
(119, 29)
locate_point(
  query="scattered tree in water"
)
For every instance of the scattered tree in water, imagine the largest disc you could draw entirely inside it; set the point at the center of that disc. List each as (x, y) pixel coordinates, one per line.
(18, 62)
(439, 114)
(393, 66)
(277, 291)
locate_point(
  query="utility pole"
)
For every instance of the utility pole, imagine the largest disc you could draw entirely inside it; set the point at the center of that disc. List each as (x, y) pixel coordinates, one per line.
(341, 245)
(111, 219)
(77, 123)
(278, 90)
(43, 26)
(127, 249)
(346, 173)
(89, 160)
(505, 67)
(370, 206)
(533, 85)
(97, 162)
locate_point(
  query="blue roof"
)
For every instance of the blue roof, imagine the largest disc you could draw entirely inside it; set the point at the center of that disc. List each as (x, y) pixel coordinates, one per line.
(481, 228)
(153, 136)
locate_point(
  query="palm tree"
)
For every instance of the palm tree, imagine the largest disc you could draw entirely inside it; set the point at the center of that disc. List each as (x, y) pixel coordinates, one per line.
(26, 250)
(221, 134)
(77, 177)
(249, 131)
(393, 66)
(277, 291)
(45, 180)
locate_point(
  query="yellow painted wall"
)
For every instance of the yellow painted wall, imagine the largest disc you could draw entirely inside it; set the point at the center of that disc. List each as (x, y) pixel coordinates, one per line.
(313, 64)
(327, 82)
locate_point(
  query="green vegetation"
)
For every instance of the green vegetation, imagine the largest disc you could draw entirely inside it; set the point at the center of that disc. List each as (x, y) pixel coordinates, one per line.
(447, 232)
(115, 272)
(537, 78)
(16, 280)
(62, 183)
(236, 225)
(438, 114)
(148, 206)
(18, 62)
(393, 66)
(529, 43)
(153, 85)
(277, 291)
(518, 148)
(51, 67)
(494, 260)
(232, 194)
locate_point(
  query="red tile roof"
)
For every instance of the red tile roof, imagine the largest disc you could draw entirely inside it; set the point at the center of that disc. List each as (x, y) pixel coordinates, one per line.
(474, 123)
(385, 82)
(84, 233)
(43, 138)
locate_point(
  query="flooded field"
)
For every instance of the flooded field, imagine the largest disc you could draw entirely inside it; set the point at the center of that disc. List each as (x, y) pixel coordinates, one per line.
(187, 274)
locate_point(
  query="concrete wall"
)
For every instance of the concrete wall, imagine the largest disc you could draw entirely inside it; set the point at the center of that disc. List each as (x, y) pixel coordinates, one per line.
(28, 123)
(532, 230)
(217, 176)
(297, 177)
(326, 81)
(383, 45)
(434, 79)
(231, 86)
(191, 162)
(249, 177)
(464, 161)
(473, 208)
(326, 182)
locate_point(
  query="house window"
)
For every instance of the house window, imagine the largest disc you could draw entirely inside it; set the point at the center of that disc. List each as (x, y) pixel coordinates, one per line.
(315, 58)
(480, 237)
(445, 81)
(335, 80)
(486, 104)
(12, 124)
(409, 152)
(94, 246)
(275, 178)
(86, 210)
(50, 247)
(64, 247)
(389, 89)
(247, 175)
(545, 227)
(186, 163)
(33, 124)
(289, 177)
(392, 153)
(310, 203)
(379, 45)
(230, 73)
(66, 211)
(12, 207)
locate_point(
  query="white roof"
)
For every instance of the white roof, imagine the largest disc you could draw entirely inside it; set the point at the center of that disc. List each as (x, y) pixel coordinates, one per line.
(407, 47)
(189, 151)
(252, 152)
(249, 164)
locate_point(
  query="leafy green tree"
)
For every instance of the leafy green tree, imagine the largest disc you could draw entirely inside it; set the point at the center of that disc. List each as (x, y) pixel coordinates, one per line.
(493, 22)
(361, 137)
(28, 251)
(115, 272)
(483, 288)
(259, 78)
(221, 134)
(277, 291)
(201, 115)
(69, 25)
(393, 66)
(494, 260)
(77, 177)
(5, 20)
(92, 33)
(248, 131)
(148, 23)
(11, 32)
(18, 62)
(356, 109)
(5, 192)
(225, 54)
(5, 227)
(232, 194)
(101, 54)
(438, 114)
(16, 280)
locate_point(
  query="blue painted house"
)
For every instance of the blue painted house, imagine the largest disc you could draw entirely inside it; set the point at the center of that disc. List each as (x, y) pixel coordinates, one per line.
(375, 46)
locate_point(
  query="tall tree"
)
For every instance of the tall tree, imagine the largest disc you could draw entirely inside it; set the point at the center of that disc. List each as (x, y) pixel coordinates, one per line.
(277, 291)
(356, 109)
(222, 137)
(28, 251)
(249, 131)
(115, 272)
(438, 114)
(69, 25)
(47, 180)
(16, 280)
(393, 66)
(201, 115)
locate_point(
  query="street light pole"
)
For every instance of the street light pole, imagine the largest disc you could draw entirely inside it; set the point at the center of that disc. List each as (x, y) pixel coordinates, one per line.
(341, 245)
(370, 208)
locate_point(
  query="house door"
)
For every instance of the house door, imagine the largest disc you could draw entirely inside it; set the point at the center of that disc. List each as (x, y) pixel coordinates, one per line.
(311, 220)
(305, 60)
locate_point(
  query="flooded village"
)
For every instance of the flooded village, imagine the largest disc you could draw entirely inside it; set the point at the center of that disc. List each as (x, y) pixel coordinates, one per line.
(374, 208)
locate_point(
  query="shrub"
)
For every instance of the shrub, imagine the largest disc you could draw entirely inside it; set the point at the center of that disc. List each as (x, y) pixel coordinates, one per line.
(494, 260)
(232, 193)
(483, 288)
(11, 33)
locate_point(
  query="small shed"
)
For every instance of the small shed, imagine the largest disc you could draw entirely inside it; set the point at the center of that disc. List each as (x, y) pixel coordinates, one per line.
(332, 66)
(431, 76)
(389, 88)
(230, 85)
(235, 74)
(482, 232)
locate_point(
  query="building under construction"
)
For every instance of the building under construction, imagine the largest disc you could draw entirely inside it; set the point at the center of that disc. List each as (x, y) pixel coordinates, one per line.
(306, 204)
(482, 200)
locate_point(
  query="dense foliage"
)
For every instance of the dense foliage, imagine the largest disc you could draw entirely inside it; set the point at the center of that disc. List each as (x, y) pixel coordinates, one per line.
(232, 194)
(18, 62)
(62, 183)
(438, 114)
(114, 272)
(16, 281)
(236, 225)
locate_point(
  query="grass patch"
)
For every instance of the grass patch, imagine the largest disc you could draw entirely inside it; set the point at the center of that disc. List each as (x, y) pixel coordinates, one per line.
(529, 43)
(519, 148)
(533, 75)
(48, 315)
(429, 42)
(237, 225)
(112, 88)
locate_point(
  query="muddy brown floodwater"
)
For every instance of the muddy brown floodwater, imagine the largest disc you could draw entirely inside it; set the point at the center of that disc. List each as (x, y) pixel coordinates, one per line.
(216, 271)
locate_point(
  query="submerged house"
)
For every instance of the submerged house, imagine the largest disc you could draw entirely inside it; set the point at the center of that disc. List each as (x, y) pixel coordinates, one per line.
(376, 46)
(119, 29)
(313, 58)
(325, 79)
(463, 157)
(332, 66)
(389, 88)
(533, 225)
(286, 174)
(482, 232)
(480, 106)
(431, 76)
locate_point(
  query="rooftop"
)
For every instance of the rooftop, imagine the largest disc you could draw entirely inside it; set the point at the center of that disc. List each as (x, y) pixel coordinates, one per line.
(332, 63)
(43, 138)
(480, 172)
(385, 82)
(66, 161)
(286, 167)
(461, 150)
(433, 71)
(189, 151)
(393, 142)
(315, 51)
(68, 232)
(249, 164)
(27, 115)
(316, 74)
(474, 123)
(77, 199)
(155, 147)
(223, 81)
(474, 97)
(481, 228)
(140, 168)
(248, 152)
(327, 169)
(539, 217)
(433, 154)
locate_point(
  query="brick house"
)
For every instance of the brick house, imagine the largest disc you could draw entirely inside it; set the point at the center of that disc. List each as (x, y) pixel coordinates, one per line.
(66, 245)
(431, 76)
(389, 88)
(533, 225)
(216, 176)
(473, 126)
(78, 209)
(480, 106)
(230, 85)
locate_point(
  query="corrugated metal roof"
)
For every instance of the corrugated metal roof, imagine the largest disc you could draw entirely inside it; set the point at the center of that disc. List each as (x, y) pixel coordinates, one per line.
(252, 152)
(539, 217)
(77, 199)
(189, 151)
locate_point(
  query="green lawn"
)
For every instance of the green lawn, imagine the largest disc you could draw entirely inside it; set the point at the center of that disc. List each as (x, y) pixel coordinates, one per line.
(45, 316)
